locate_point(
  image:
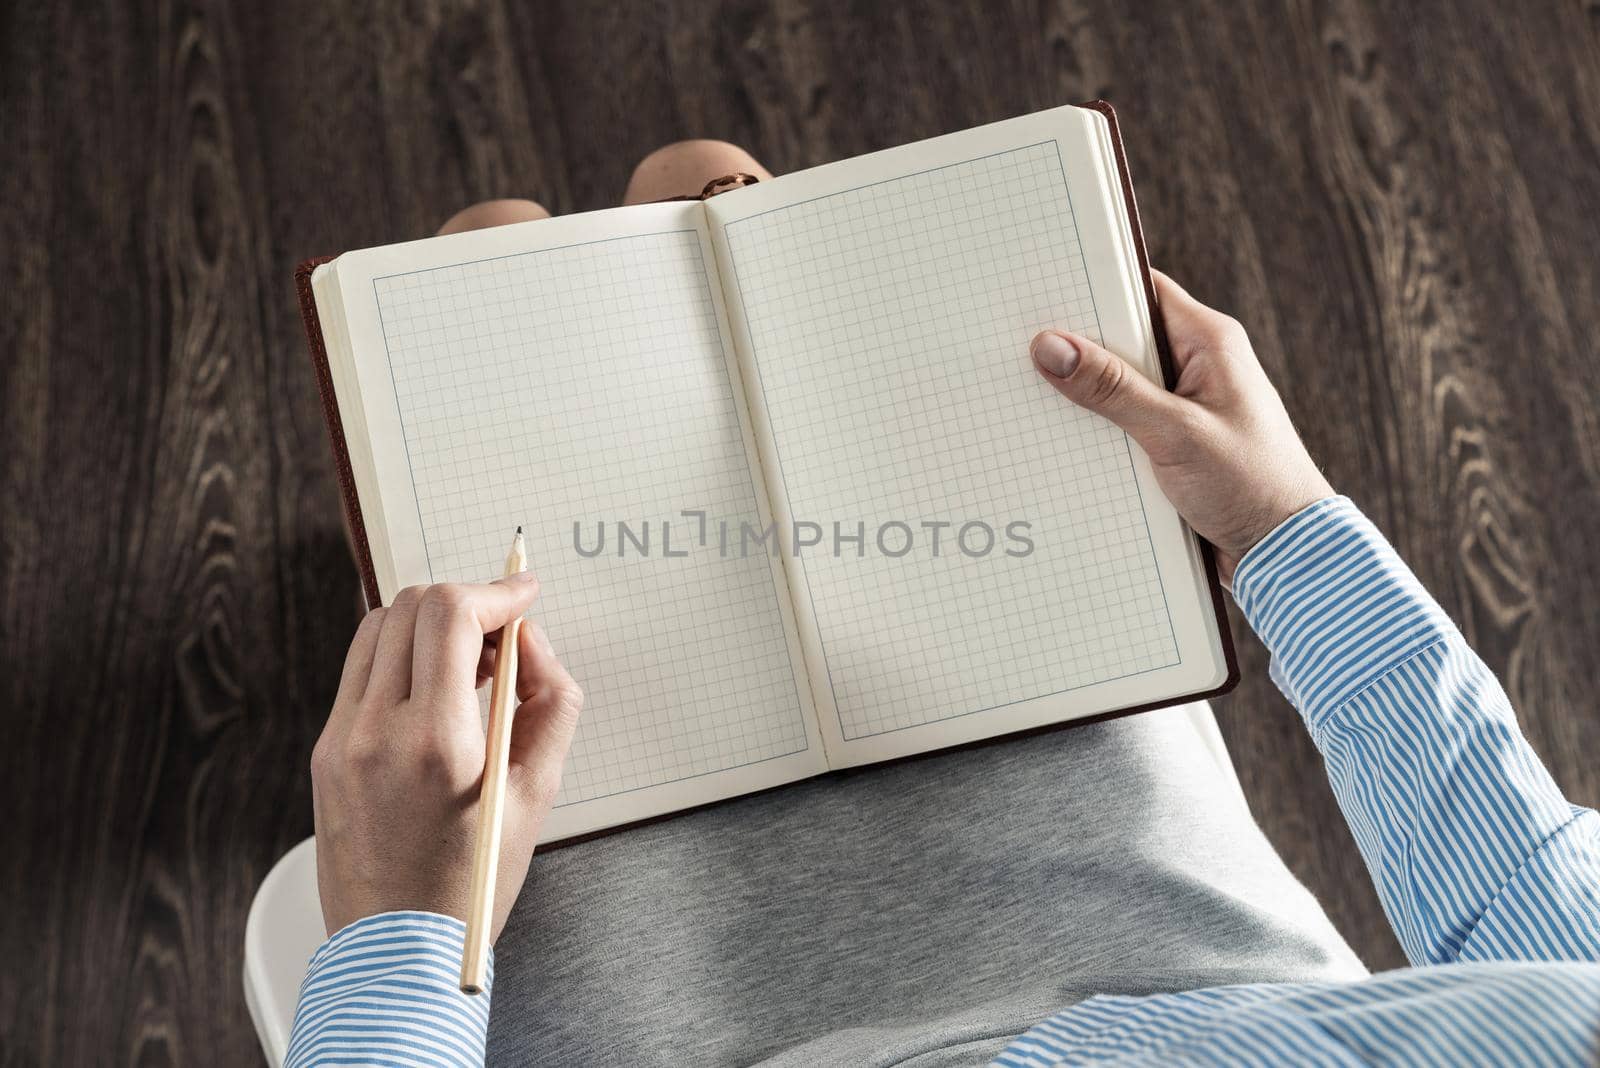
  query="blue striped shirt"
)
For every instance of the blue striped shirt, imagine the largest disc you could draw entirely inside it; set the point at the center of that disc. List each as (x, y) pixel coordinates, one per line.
(386, 991)
(1481, 865)
(1480, 862)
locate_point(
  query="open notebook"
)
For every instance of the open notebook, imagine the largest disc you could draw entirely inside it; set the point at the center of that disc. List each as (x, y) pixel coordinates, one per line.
(733, 430)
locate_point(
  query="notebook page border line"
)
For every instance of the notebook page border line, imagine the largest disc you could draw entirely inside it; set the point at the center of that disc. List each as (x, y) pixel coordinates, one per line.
(783, 476)
(727, 383)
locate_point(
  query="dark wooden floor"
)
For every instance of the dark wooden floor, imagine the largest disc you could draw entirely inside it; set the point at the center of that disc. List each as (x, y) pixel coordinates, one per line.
(1399, 202)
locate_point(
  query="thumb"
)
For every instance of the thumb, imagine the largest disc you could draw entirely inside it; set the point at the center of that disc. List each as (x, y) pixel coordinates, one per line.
(546, 719)
(1103, 382)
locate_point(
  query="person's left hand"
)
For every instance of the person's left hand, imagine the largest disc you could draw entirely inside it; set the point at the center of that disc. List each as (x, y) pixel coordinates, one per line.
(396, 774)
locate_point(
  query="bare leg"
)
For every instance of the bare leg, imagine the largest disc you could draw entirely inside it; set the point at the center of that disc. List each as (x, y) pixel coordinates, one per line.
(684, 167)
(487, 213)
(679, 169)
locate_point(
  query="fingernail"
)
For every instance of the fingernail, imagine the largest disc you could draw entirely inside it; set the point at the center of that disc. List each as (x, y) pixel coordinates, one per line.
(1055, 353)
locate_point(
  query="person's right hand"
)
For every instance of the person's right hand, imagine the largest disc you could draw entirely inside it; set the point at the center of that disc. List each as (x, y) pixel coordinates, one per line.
(1222, 445)
(397, 773)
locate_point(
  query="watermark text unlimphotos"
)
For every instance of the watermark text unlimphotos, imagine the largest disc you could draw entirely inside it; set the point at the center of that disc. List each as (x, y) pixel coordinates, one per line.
(694, 531)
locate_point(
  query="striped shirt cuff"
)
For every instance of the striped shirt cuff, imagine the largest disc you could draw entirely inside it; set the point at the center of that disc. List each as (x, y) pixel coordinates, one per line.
(386, 991)
(1334, 604)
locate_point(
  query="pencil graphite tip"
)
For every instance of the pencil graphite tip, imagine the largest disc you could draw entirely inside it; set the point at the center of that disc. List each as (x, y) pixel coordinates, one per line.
(519, 528)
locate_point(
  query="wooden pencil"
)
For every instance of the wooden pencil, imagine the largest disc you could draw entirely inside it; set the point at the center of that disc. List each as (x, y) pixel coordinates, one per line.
(491, 801)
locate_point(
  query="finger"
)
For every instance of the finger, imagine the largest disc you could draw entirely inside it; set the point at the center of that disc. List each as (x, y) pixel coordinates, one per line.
(491, 644)
(532, 668)
(486, 660)
(390, 682)
(452, 622)
(358, 661)
(1190, 324)
(1169, 291)
(546, 719)
(1103, 382)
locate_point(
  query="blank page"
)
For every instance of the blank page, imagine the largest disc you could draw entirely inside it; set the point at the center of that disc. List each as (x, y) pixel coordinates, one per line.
(887, 304)
(587, 382)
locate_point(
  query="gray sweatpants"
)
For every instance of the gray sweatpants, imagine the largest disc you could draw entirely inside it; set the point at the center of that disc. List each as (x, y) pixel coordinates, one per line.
(923, 913)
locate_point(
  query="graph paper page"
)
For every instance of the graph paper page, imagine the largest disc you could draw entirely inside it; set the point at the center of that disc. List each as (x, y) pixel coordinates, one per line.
(576, 371)
(885, 306)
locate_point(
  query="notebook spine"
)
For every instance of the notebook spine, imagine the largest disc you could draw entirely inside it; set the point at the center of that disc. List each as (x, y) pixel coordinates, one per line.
(355, 527)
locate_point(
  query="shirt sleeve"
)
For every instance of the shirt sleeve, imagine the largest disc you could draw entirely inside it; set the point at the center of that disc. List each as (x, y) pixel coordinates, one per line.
(385, 991)
(1475, 853)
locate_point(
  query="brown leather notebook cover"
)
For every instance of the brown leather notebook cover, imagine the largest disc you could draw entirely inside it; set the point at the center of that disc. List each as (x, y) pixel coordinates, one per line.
(357, 527)
(1169, 372)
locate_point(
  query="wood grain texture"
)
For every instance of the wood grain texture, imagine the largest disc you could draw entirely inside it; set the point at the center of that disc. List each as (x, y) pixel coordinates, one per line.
(1397, 199)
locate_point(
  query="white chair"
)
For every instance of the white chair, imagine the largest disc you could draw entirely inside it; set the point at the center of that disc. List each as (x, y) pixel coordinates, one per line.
(283, 931)
(1205, 725)
(285, 925)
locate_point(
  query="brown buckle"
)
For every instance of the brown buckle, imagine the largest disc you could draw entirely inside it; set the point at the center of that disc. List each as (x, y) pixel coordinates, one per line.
(726, 183)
